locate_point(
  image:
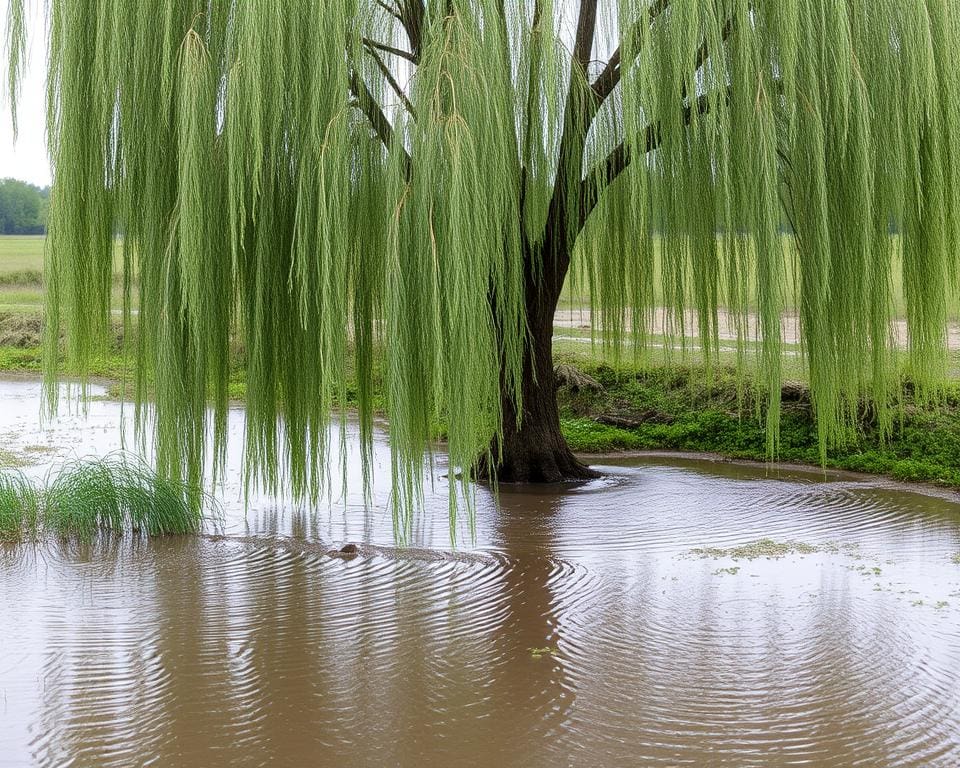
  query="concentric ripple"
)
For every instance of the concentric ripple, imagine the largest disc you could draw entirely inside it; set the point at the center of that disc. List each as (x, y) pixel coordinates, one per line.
(609, 624)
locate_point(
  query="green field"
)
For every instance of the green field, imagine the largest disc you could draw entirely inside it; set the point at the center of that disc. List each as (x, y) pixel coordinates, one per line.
(21, 273)
(21, 254)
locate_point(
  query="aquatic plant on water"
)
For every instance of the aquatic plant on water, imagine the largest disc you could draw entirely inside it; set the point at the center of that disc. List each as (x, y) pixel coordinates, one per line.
(764, 548)
(116, 494)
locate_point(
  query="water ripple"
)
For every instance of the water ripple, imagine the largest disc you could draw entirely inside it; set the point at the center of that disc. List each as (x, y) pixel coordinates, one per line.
(584, 626)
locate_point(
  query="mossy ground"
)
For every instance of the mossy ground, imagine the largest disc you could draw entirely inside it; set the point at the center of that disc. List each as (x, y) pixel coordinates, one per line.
(684, 409)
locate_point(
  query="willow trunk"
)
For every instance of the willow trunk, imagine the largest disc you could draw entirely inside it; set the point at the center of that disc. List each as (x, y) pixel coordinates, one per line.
(533, 449)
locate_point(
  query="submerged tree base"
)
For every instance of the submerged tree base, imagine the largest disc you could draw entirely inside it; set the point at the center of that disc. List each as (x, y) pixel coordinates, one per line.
(534, 451)
(544, 462)
(532, 448)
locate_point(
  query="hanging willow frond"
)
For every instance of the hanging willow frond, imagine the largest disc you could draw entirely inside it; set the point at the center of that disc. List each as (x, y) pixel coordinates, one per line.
(314, 180)
(16, 49)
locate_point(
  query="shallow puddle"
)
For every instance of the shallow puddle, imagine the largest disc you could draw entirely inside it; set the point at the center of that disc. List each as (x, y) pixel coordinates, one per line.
(674, 613)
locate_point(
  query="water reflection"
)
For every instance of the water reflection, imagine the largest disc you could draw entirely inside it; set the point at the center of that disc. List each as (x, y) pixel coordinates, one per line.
(254, 648)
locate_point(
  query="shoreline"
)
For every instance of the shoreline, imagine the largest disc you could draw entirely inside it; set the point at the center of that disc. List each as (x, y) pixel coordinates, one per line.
(677, 419)
(796, 469)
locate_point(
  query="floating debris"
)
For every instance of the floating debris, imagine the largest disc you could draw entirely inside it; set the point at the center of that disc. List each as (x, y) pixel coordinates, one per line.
(12, 460)
(764, 548)
(866, 570)
(730, 571)
(539, 653)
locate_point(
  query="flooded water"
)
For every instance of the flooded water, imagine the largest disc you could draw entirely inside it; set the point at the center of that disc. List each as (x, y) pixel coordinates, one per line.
(606, 625)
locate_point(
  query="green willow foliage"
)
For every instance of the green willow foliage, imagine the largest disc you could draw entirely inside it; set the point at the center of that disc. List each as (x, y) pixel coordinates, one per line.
(311, 179)
(16, 46)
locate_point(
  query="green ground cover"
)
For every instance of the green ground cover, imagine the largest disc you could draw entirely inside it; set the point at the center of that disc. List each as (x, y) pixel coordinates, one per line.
(683, 409)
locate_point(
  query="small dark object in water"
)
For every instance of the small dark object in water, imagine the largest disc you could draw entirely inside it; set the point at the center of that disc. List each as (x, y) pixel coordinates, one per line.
(346, 552)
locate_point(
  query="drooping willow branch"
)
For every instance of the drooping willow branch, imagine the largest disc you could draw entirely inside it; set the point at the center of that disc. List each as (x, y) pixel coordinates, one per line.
(277, 195)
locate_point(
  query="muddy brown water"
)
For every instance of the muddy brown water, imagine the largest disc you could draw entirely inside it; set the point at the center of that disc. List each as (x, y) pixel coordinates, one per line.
(252, 647)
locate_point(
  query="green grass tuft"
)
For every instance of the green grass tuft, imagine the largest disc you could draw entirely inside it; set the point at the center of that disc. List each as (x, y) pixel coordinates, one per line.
(111, 495)
(19, 505)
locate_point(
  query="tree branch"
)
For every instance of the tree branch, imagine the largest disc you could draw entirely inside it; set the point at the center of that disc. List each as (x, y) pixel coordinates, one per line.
(390, 9)
(378, 120)
(576, 122)
(371, 45)
(412, 13)
(619, 159)
(610, 76)
(586, 32)
(703, 52)
(393, 83)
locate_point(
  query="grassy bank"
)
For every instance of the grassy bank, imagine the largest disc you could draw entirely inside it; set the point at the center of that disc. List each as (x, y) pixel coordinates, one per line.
(681, 409)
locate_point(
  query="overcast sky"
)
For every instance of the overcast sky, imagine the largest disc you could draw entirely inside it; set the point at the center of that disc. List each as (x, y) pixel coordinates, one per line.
(27, 160)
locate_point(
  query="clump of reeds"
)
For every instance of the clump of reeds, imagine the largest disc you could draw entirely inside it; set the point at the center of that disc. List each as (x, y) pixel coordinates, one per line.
(85, 498)
(18, 506)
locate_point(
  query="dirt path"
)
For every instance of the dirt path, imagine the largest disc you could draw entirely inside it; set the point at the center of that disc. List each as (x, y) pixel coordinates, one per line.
(663, 324)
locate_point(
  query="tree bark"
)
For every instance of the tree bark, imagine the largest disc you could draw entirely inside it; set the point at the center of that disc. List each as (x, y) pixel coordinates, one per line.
(535, 451)
(532, 449)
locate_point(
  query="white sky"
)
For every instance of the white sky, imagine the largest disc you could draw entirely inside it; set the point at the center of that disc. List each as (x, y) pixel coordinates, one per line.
(27, 160)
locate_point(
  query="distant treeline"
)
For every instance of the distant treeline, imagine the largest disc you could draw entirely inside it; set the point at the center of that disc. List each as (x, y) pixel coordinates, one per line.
(23, 208)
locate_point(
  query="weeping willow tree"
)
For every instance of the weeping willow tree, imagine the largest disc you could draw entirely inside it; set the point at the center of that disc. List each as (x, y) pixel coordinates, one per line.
(319, 182)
